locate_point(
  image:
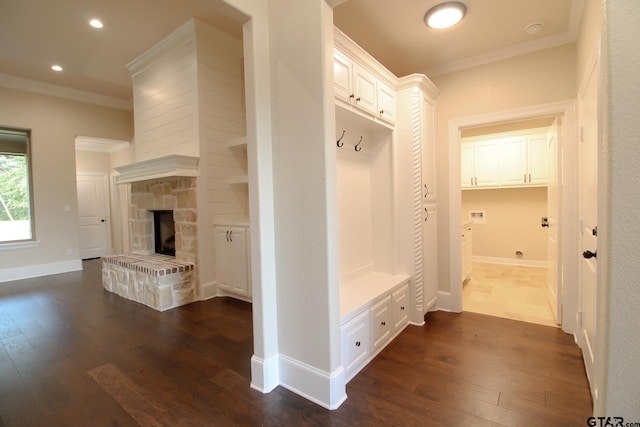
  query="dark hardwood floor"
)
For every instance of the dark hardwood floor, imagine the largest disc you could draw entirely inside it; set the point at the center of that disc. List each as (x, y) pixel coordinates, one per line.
(72, 354)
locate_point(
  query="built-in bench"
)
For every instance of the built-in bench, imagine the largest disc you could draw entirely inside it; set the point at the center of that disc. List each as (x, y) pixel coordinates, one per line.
(158, 281)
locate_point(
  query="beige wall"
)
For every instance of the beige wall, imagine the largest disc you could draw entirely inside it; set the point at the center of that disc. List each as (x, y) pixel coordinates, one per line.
(90, 161)
(512, 222)
(532, 79)
(54, 123)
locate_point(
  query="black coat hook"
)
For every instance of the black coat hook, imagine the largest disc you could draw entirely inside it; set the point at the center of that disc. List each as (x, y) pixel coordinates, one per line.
(340, 139)
(358, 148)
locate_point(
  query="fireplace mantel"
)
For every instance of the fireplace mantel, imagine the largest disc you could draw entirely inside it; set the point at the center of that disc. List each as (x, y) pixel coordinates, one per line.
(172, 165)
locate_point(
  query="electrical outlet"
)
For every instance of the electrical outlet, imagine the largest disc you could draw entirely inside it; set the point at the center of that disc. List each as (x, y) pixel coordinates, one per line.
(69, 251)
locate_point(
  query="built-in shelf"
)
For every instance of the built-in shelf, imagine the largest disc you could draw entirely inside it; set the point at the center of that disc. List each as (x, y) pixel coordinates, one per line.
(235, 180)
(237, 142)
(359, 292)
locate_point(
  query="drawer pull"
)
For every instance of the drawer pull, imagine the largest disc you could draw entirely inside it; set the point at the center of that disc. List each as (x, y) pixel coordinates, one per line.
(357, 343)
(402, 308)
(383, 323)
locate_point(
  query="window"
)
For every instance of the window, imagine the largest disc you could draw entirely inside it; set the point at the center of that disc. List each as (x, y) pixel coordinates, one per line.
(16, 220)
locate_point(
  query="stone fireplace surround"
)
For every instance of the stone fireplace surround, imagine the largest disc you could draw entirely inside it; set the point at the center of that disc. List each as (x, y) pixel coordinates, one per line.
(158, 281)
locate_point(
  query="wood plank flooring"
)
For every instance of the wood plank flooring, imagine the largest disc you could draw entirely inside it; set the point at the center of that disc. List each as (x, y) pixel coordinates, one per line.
(72, 354)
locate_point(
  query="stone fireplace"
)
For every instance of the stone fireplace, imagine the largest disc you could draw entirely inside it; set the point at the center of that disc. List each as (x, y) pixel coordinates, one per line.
(157, 280)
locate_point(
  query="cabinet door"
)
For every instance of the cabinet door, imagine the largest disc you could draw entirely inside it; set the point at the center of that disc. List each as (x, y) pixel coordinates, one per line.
(428, 151)
(514, 161)
(400, 308)
(342, 76)
(386, 103)
(381, 323)
(430, 251)
(365, 89)
(355, 343)
(538, 160)
(486, 163)
(467, 172)
(232, 260)
(467, 252)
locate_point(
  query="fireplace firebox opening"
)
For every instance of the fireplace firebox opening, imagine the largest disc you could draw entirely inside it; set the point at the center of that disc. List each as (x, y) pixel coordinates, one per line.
(164, 232)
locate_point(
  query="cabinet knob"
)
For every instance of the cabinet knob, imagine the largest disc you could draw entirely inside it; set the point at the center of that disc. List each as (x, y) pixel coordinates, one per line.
(383, 323)
(358, 99)
(357, 343)
(381, 112)
(402, 308)
(352, 96)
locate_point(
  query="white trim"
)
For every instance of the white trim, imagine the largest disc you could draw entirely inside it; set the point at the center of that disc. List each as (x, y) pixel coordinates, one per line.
(567, 254)
(323, 388)
(265, 374)
(101, 145)
(431, 304)
(162, 167)
(208, 290)
(42, 88)
(445, 302)
(12, 246)
(510, 261)
(38, 270)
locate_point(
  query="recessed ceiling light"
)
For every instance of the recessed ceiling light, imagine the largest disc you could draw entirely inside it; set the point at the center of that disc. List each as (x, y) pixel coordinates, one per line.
(56, 67)
(445, 15)
(534, 28)
(96, 23)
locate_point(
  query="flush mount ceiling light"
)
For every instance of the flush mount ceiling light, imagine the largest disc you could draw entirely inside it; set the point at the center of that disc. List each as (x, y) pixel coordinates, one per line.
(96, 23)
(56, 67)
(445, 15)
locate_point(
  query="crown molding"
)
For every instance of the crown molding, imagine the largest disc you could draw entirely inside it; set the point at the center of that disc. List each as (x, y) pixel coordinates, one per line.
(42, 88)
(101, 145)
(569, 36)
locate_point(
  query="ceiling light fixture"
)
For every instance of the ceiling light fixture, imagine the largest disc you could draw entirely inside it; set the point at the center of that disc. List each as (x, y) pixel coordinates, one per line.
(445, 15)
(56, 67)
(96, 23)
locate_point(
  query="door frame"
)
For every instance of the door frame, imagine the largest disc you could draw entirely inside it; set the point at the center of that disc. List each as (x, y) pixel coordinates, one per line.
(567, 163)
(107, 204)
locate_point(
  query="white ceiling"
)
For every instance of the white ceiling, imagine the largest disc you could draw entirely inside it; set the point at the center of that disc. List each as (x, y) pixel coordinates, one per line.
(34, 34)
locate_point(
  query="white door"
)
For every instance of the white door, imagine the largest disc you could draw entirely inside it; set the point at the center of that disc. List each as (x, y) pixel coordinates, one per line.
(93, 215)
(588, 194)
(554, 282)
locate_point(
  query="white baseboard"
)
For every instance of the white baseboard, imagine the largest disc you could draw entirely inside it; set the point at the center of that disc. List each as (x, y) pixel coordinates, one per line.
(444, 301)
(325, 389)
(431, 305)
(265, 374)
(208, 290)
(39, 270)
(510, 261)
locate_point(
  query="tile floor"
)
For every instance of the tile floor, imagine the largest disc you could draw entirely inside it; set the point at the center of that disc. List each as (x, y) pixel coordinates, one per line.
(508, 291)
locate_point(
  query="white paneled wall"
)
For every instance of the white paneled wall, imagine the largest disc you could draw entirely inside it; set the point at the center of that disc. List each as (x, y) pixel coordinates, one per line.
(189, 100)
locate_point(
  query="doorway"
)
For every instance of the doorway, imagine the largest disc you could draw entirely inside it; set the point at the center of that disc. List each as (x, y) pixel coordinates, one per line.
(93, 214)
(566, 203)
(506, 178)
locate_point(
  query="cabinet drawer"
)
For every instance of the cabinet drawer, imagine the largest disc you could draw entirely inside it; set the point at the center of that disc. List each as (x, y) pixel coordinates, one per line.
(381, 325)
(355, 343)
(400, 307)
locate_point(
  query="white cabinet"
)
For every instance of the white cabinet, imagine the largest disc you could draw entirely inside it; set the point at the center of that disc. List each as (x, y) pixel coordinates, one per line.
(358, 87)
(232, 260)
(478, 167)
(355, 343)
(381, 325)
(400, 307)
(467, 251)
(504, 160)
(430, 256)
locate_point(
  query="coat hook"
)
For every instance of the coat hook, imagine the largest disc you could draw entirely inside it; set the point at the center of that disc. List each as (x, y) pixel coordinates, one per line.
(340, 139)
(358, 148)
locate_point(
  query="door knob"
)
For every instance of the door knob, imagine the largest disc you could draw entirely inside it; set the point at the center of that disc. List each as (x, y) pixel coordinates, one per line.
(589, 254)
(102, 220)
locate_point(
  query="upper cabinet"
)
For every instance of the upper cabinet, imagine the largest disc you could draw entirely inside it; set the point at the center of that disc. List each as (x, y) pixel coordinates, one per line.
(361, 89)
(515, 159)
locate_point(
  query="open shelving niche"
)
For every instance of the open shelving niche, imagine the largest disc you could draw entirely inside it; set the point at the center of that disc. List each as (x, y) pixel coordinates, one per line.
(238, 144)
(365, 191)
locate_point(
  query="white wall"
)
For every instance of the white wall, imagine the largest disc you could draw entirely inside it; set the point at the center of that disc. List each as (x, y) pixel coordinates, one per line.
(618, 350)
(55, 122)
